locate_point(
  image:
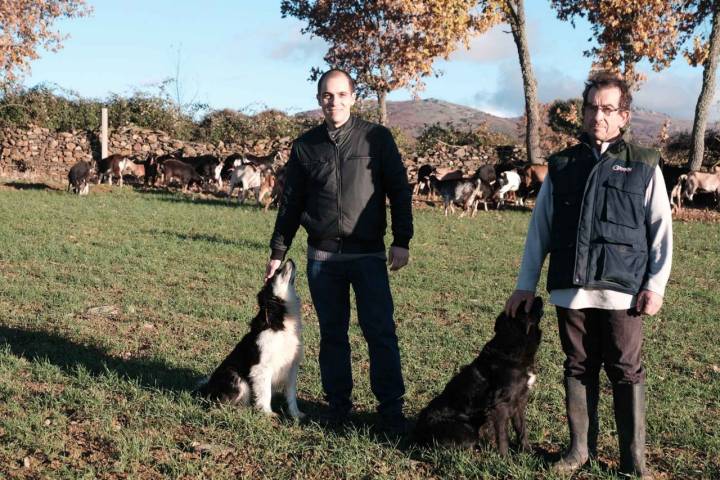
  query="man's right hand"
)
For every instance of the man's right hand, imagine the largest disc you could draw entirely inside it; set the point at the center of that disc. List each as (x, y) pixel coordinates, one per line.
(517, 297)
(272, 265)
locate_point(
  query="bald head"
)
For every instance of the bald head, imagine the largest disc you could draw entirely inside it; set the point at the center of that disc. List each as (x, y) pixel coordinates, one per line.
(332, 73)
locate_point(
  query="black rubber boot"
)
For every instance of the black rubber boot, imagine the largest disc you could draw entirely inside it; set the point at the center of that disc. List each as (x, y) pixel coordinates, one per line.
(581, 401)
(629, 405)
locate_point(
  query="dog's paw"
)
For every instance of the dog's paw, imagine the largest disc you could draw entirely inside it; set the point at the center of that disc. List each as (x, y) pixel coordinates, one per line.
(299, 416)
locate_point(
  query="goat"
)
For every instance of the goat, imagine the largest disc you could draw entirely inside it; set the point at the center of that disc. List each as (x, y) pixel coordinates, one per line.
(79, 178)
(531, 178)
(137, 170)
(208, 167)
(508, 181)
(701, 181)
(110, 166)
(423, 180)
(184, 173)
(248, 177)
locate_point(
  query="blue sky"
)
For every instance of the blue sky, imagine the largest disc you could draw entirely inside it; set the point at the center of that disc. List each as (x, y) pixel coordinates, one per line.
(241, 54)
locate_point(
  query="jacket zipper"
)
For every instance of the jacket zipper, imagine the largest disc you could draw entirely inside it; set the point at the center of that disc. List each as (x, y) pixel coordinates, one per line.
(338, 179)
(582, 209)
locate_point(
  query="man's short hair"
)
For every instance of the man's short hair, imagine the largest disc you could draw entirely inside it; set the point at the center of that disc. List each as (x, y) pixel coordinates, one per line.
(605, 79)
(335, 71)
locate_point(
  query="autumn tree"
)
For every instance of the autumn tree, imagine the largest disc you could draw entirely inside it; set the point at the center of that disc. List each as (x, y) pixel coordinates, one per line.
(386, 44)
(704, 51)
(26, 27)
(627, 32)
(512, 12)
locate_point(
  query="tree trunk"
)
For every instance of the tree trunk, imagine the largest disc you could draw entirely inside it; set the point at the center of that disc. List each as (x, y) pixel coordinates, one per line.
(382, 107)
(532, 112)
(706, 96)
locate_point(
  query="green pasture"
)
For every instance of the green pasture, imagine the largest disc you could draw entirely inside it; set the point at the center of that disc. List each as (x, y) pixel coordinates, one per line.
(114, 305)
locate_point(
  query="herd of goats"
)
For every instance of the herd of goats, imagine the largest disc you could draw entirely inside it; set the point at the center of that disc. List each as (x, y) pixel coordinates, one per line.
(489, 185)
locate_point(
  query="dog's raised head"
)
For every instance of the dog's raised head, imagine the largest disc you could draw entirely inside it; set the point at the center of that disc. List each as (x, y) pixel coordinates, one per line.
(282, 283)
(519, 336)
(278, 297)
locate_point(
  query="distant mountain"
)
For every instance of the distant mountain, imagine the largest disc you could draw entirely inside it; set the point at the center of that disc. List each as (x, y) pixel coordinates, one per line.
(413, 115)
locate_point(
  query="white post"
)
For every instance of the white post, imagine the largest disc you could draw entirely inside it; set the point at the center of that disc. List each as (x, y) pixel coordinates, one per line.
(104, 134)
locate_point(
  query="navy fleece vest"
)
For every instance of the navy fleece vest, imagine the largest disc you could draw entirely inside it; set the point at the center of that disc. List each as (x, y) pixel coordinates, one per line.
(598, 231)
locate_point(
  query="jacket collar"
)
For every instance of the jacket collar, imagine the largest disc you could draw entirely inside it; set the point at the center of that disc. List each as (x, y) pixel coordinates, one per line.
(617, 144)
(342, 131)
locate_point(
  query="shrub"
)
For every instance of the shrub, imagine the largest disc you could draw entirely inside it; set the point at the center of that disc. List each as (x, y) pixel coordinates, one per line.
(565, 116)
(450, 134)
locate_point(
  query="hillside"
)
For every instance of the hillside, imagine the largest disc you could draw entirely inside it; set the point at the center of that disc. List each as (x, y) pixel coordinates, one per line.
(412, 116)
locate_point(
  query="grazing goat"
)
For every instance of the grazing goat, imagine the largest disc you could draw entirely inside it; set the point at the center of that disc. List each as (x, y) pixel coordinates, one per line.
(152, 172)
(532, 178)
(277, 188)
(79, 178)
(422, 186)
(184, 173)
(208, 167)
(508, 181)
(466, 192)
(230, 163)
(137, 170)
(110, 166)
(676, 193)
(487, 174)
(248, 177)
(705, 182)
(265, 162)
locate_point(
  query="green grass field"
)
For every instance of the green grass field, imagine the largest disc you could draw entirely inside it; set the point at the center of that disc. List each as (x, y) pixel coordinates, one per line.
(88, 392)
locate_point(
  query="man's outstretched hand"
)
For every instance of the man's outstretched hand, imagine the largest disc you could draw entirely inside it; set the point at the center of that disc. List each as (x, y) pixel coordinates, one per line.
(516, 299)
(272, 265)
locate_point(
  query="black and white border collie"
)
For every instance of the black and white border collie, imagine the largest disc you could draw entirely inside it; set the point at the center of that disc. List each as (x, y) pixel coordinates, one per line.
(267, 358)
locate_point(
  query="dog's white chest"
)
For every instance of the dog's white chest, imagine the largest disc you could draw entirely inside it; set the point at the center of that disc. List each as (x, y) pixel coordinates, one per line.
(279, 351)
(531, 380)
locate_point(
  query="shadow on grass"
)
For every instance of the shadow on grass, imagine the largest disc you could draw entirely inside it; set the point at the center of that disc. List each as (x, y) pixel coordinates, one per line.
(35, 345)
(31, 186)
(206, 197)
(204, 237)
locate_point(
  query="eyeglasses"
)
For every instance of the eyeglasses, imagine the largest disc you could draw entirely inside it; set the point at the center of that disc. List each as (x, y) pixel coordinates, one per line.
(607, 110)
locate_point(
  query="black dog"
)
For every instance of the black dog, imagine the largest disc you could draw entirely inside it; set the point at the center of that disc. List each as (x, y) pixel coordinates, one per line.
(478, 402)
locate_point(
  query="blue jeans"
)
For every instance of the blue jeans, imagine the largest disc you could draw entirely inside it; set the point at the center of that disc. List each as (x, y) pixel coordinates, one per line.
(330, 283)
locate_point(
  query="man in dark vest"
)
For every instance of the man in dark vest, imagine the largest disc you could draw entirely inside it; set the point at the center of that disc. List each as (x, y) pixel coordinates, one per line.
(339, 176)
(603, 215)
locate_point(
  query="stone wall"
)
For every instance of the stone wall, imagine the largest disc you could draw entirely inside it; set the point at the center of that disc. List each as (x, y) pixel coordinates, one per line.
(37, 153)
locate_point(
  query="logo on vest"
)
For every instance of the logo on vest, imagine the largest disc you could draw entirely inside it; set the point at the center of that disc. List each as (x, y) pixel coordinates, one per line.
(618, 168)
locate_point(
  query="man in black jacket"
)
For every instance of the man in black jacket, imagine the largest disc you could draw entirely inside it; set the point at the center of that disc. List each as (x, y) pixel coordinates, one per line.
(338, 177)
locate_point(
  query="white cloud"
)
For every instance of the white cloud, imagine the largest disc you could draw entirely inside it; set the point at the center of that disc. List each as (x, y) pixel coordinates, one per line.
(295, 46)
(508, 96)
(495, 45)
(667, 92)
(673, 94)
